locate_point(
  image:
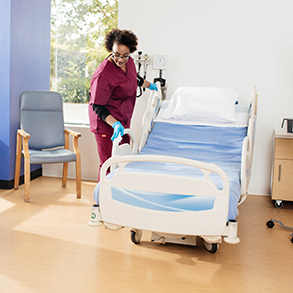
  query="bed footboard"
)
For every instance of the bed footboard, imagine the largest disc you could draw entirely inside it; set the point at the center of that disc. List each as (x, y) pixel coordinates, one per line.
(137, 199)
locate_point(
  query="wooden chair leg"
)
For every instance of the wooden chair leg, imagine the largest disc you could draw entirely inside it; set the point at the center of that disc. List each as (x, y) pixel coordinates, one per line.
(65, 174)
(78, 177)
(77, 166)
(27, 171)
(27, 179)
(17, 161)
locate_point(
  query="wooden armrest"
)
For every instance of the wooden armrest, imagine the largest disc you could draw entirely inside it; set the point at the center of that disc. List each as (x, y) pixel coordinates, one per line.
(23, 133)
(75, 135)
(69, 131)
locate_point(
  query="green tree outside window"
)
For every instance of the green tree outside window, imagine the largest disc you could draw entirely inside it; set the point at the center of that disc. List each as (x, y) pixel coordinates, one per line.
(78, 30)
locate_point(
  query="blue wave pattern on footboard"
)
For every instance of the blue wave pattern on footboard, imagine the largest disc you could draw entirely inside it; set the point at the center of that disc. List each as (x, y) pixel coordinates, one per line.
(163, 201)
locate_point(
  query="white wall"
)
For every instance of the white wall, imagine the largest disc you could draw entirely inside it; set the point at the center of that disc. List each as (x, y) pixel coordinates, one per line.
(234, 44)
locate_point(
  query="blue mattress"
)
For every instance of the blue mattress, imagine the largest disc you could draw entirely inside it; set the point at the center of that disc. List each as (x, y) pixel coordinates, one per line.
(211, 144)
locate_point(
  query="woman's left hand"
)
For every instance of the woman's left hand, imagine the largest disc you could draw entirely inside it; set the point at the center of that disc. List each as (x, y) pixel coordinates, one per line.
(153, 86)
(118, 129)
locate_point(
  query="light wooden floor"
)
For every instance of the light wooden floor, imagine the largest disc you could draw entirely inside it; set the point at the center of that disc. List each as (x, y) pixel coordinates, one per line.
(47, 246)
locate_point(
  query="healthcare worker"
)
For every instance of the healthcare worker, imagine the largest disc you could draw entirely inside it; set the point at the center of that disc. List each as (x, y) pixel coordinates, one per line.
(113, 92)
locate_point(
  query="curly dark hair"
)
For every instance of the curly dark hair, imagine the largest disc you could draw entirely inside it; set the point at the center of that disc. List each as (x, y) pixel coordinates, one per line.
(121, 37)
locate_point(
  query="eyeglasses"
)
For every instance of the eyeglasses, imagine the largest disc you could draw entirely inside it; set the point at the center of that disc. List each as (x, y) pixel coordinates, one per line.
(118, 56)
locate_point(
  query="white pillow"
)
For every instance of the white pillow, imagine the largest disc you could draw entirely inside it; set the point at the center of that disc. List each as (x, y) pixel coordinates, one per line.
(202, 104)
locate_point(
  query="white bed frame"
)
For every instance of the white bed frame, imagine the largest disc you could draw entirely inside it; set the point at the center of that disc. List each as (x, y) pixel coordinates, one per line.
(175, 227)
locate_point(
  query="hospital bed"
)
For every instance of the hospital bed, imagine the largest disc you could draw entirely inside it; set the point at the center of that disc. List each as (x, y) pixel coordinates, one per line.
(189, 173)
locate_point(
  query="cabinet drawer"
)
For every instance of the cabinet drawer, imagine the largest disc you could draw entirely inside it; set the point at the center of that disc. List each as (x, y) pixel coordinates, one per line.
(284, 148)
(282, 180)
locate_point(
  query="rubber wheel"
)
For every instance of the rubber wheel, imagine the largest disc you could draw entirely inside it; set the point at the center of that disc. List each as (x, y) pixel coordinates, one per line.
(134, 238)
(292, 239)
(270, 224)
(278, 205)
(213, 248)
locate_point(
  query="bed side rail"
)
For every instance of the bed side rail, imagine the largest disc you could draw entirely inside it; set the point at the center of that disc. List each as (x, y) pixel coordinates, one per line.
(152, 109)
(124, 149)
(205, 222)
(248, 144)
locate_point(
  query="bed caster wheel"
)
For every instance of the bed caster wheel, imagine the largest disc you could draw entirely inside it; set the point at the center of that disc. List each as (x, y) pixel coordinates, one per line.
(278, 204)
(135, 236)
(292, 239)
(214, 248)
(270, 224)
(211, 247)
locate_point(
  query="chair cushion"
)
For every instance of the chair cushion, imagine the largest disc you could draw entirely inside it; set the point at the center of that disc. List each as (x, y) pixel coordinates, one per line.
(51, 156)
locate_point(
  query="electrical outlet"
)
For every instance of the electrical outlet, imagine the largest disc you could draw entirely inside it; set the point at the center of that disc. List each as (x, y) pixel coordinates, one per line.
(159, 62)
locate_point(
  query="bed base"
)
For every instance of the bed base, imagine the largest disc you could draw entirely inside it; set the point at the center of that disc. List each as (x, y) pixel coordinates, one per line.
(211, 243)
(230, 236)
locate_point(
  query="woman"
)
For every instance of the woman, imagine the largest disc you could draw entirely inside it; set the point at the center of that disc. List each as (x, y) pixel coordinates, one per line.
(113, 92)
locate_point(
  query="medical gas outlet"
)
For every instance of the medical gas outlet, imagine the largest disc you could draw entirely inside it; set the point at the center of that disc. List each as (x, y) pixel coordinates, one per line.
(159, 62)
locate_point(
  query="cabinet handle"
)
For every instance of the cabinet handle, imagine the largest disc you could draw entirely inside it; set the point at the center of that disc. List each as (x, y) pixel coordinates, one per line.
(279, 173)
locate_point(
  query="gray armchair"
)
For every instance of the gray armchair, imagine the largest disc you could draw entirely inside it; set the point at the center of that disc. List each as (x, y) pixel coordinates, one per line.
(42, 138)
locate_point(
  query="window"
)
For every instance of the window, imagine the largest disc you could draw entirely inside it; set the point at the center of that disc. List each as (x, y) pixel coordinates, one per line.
(78, 30)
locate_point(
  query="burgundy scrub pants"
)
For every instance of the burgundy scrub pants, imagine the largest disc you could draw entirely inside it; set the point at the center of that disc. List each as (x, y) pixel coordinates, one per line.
(104, 143)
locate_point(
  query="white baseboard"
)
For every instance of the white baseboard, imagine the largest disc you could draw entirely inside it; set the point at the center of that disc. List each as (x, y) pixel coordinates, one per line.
(259, 190)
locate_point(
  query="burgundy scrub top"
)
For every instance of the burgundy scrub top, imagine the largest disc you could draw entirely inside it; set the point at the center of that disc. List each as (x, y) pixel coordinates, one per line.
(116, 90)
